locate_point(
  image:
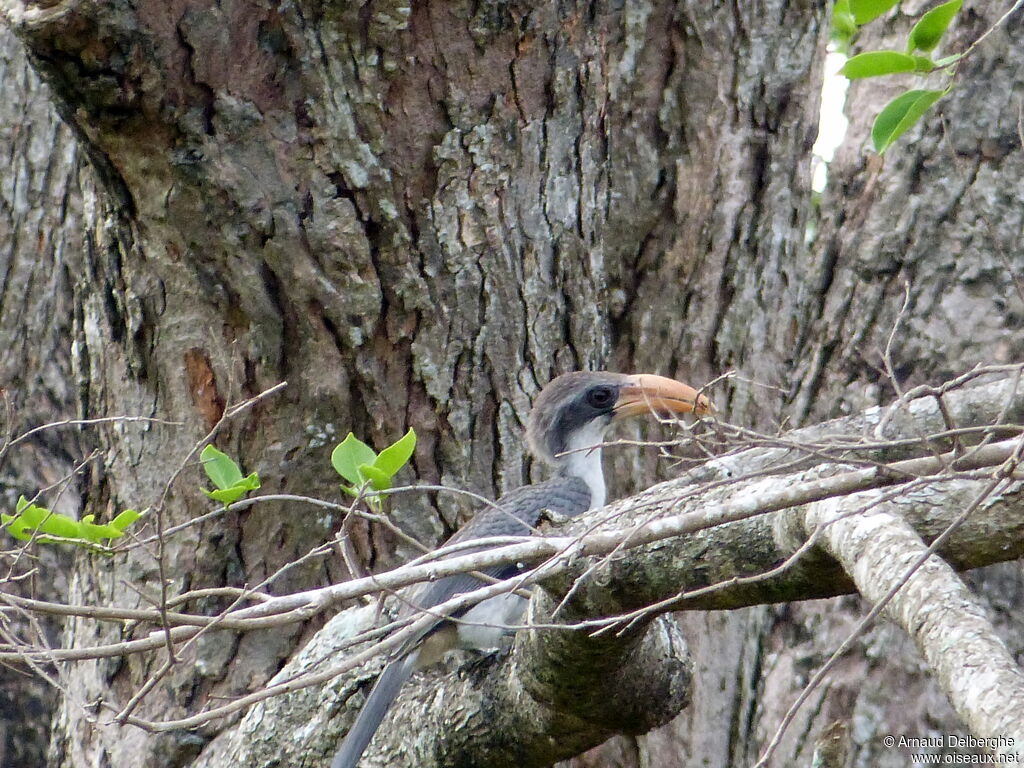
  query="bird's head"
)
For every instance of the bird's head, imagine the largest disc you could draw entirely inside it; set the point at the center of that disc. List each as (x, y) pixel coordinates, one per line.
(574, 410)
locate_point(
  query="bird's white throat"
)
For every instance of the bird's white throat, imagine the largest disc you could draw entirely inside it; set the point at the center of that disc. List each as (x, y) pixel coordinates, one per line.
(582, 459)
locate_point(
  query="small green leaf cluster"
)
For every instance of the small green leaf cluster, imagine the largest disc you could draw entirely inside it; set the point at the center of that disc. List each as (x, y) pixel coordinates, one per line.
(353, 459)
(31, 521)
(226, 475)
(364, 468)
(906, 109)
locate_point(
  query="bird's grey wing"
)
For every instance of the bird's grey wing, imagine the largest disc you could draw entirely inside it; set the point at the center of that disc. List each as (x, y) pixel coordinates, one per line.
(520, 511)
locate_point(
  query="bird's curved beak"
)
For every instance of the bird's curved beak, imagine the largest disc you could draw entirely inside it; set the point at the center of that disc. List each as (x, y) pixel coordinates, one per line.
(647, 393)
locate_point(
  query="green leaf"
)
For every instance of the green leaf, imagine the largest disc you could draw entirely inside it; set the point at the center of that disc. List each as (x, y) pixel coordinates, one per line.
(843, 25)
(30, 513)
(228, 496)
(899, 115)
(929, 30)
(379, 479)
(923, 64)
(875, 63)
(226, 475)
(52, 527)
(945, 61)
(864, 11)
(60, 525)
(94, 533)
(395, 456)
(15, 526)
(348, 455)
(125, 519)
(43, 520)
(220, 468)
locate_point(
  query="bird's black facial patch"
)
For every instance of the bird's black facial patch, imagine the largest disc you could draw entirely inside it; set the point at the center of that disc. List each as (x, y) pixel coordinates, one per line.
(570, 403)
(593, 404)
(602, 397)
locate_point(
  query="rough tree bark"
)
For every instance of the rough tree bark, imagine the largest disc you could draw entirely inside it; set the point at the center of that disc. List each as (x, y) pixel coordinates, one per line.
(416, 215)
(40, 239)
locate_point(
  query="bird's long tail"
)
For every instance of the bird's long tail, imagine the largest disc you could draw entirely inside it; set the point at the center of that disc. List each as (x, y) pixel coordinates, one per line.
(377, 703)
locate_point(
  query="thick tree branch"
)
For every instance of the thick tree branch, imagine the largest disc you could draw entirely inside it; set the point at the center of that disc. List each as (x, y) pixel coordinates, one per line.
(946, 621)
(891, 433)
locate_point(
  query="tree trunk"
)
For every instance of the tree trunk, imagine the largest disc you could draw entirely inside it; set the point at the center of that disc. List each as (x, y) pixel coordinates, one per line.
(417, 215)
(40, 243)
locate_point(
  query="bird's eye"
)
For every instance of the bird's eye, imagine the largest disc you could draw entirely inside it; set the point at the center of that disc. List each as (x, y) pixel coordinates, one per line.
(601, 397)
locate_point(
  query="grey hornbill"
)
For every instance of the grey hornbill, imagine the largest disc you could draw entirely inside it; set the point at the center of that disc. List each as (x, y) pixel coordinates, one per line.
(565, 429)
